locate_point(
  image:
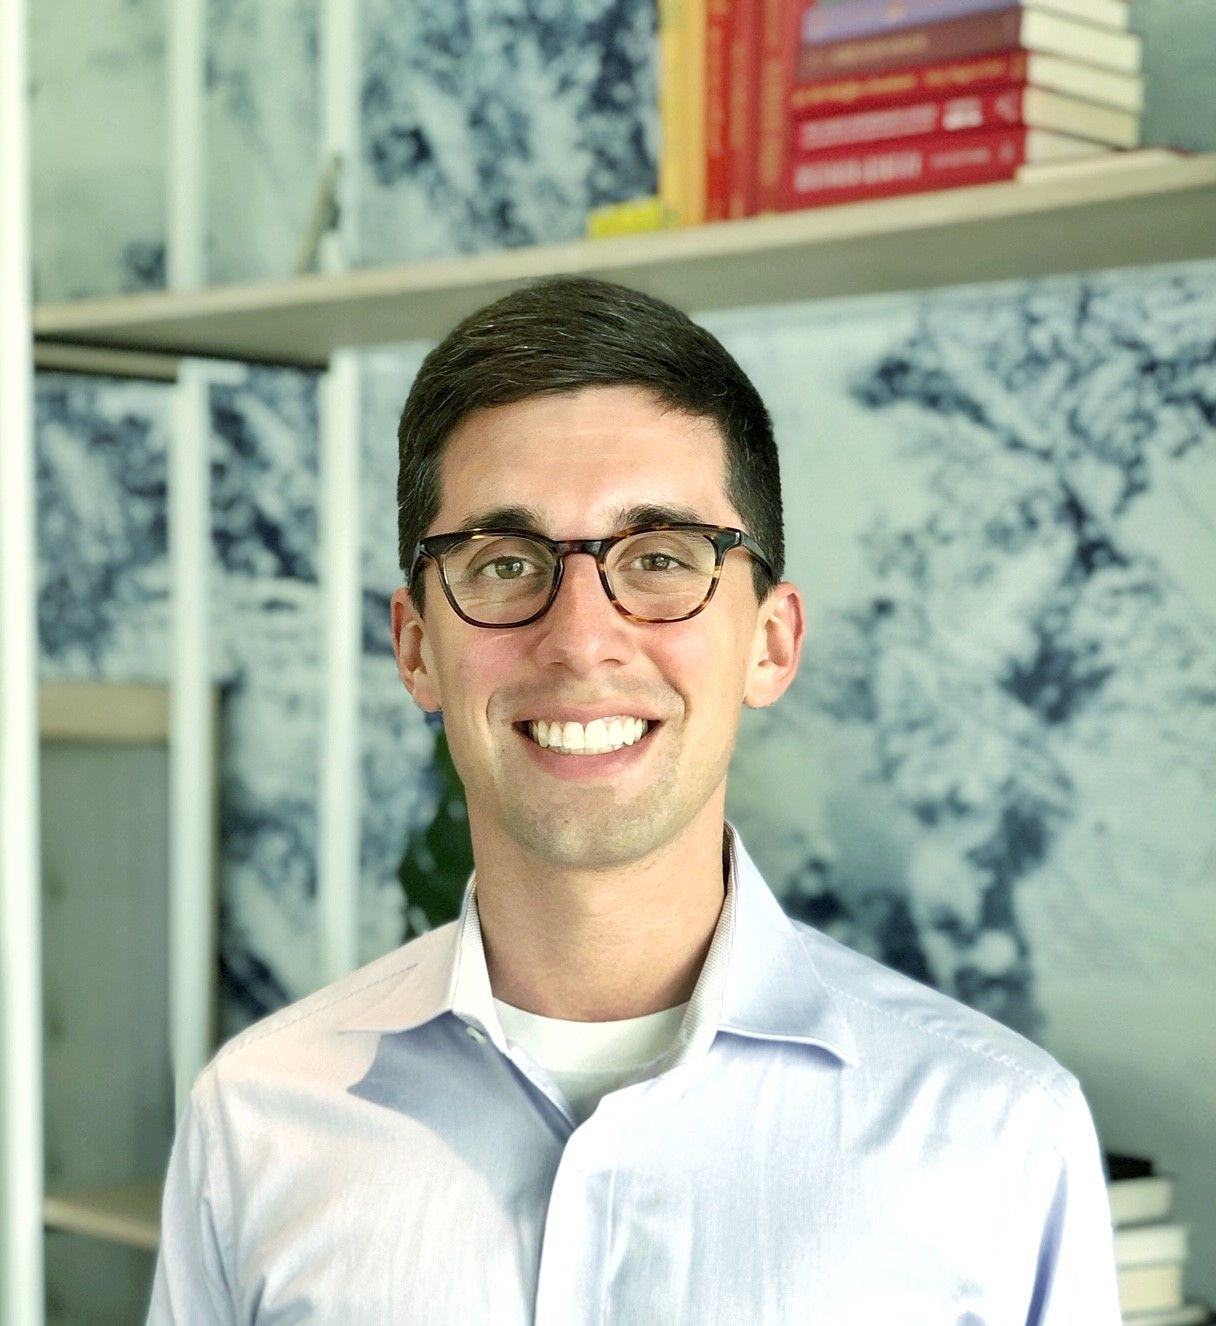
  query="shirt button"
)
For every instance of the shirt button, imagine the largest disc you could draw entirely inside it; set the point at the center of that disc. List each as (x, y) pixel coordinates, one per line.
(478, 1036)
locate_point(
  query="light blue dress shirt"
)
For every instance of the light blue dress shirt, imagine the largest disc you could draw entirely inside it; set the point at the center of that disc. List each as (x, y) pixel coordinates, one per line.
(826, 1142)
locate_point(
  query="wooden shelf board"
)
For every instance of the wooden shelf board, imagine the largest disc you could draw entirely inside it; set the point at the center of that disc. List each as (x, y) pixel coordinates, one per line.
(50, 357)
(128, 1214)
(1130, 210)
(103, 711)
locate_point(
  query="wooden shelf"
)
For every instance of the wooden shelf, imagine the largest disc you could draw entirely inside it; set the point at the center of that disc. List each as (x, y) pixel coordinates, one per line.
(129, 1214)
(105, 712)
(1127, 210)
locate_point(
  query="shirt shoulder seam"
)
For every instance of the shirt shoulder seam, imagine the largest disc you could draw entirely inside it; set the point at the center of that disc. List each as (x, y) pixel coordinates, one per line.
(282, 1022)
(217, 1176)
(1051, 1091)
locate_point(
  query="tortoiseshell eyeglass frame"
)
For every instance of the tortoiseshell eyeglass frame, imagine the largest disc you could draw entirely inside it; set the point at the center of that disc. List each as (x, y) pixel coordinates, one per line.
(723, 538)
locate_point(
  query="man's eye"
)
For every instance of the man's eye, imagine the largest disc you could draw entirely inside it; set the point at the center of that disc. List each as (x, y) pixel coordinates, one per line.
(658, 562)
(504, 568)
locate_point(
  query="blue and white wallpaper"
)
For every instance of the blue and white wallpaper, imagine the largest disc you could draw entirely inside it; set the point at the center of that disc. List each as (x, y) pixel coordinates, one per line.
(996, 769)
(103, 605)
(97, 146)
(262, 134)
(400, 788)
(1001, 506)
(494, 124)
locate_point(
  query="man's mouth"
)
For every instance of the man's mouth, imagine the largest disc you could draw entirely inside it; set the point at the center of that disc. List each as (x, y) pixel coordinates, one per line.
(598, 737)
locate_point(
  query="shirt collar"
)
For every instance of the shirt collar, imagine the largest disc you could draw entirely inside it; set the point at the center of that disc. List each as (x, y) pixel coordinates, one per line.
(758, 980)
(773, 988)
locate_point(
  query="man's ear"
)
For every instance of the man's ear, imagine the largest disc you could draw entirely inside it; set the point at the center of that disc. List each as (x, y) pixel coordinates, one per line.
(415, 660)
(780, 628)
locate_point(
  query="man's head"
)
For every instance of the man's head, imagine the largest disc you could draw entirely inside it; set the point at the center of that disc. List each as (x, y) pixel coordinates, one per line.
(575, 411)
(567, 334)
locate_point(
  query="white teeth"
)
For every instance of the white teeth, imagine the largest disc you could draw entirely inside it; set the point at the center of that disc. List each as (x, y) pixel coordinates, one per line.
(597, 737)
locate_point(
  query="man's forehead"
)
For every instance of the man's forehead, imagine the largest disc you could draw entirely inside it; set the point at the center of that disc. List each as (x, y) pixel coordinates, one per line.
(583, 465)
(537, 520)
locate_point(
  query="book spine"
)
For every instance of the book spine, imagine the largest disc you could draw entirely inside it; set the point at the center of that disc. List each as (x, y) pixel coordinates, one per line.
(695, 18)
(894, 87)
(946, 115)
(912, 166)
(954, 39)
(673, 147)
(862, 18)
(719, 21)
(743, 91)
(780, 25)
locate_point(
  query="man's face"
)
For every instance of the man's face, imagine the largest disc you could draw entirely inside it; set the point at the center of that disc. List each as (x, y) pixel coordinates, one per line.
(582, 463)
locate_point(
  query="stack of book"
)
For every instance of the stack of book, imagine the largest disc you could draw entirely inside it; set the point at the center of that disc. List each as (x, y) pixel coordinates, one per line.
(771, 105)
(1150, 1248)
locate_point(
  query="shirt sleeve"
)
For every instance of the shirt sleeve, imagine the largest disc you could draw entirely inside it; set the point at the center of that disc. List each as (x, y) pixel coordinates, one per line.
(191, 1285)
(1076, 1274)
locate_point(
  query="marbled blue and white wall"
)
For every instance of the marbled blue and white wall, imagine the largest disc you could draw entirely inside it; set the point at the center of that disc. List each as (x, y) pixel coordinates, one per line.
(1001, 503)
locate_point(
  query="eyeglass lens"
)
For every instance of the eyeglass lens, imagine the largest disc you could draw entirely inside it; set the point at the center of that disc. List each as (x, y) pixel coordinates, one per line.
(656, 575)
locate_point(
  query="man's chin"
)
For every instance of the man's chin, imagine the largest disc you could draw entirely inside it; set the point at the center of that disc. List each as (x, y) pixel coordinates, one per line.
(591, 840)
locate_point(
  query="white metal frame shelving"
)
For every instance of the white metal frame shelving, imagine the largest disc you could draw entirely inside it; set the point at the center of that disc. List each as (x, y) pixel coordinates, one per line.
(128, 1213)
(21, 1136)
(339, 822)
(191, 749)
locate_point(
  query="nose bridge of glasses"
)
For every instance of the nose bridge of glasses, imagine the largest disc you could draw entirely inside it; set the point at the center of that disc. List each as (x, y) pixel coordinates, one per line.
(593, 550)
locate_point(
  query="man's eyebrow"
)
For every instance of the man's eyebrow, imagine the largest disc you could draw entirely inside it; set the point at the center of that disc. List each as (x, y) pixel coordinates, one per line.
(505, 517)
(529, 518)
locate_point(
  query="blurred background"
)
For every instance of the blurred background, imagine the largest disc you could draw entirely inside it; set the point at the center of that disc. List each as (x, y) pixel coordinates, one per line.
(996, 770)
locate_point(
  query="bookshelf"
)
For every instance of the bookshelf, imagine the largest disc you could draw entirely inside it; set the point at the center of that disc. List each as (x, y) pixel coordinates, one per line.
(1133, 209)
(128, 1213)
(106, 959)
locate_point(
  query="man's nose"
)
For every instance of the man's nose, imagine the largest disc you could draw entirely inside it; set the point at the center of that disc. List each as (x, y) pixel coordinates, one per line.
(583, 628)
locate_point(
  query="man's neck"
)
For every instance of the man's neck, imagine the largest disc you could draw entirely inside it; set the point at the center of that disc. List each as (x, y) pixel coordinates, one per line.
(598, 946)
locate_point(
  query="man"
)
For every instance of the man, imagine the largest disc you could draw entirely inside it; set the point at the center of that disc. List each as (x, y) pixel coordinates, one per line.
(623, 1087)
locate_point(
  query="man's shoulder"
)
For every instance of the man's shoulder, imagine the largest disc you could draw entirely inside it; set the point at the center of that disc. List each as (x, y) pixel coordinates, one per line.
(312, 1021)
(890, 1012)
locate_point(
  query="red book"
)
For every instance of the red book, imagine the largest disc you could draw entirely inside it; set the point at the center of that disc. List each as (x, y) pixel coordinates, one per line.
(780, 48)
(743, 91)
(1014, 104)
(890, 87)
(914, 165)
(717, 106)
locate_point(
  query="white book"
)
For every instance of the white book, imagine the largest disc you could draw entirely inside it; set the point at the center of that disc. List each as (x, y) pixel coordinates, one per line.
(1087, 81)
(1053, 34)
(1071, 115)
(1044, 145)
(1136, 1245)
(1105, 13)
(1189, 1314)
(1136, 1200)
(1139, 159)
(1157, 1285)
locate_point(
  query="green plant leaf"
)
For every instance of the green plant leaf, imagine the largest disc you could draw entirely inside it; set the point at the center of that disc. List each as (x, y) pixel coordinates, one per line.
(438, 858)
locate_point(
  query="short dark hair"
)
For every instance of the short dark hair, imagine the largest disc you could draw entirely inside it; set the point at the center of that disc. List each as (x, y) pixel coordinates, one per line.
(565, 334)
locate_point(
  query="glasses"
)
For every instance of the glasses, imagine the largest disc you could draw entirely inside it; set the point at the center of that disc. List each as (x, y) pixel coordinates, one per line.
(655, 573)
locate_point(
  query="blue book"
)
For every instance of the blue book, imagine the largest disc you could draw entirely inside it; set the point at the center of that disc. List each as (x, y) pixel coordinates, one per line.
(865, 18)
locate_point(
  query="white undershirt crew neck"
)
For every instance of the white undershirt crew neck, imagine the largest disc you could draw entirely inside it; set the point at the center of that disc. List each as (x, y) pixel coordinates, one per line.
(587, 1060)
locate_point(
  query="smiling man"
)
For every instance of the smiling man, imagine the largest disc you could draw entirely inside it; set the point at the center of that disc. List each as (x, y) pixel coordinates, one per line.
(622, 1087)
